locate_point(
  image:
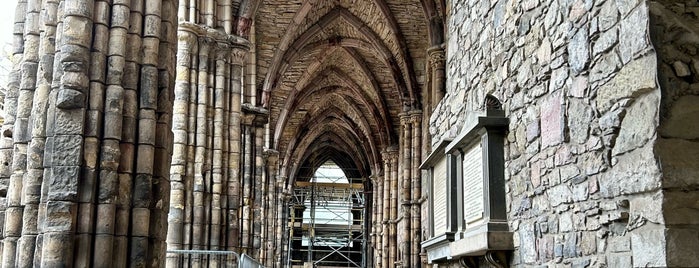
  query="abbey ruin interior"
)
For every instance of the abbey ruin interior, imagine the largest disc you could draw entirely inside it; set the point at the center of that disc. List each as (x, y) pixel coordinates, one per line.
(352, 133)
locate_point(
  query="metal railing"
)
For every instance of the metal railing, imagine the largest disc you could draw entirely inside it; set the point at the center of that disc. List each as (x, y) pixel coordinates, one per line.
(209, 259)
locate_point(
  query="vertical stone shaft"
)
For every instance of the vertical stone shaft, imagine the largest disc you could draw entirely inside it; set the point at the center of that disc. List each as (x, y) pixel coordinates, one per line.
(164, 136)
(438, 65)
(379, 219)
(9, 212)
(393, 239)
(220, 128)
(280, 250)
(264, 235)
(32, 65)
(246, 236)
(407, 168)
(415, 225)
(104, 104)
(128, 141)
(65, 137)
(234, 179)
(371, 241)
(191, 147)
(386, 216)
(145, 149)
(251, 70)
(237, 58)
(258, 186)
(187, 42)
(226, 15)
(270, 209)
(200, 142)
(82, 103)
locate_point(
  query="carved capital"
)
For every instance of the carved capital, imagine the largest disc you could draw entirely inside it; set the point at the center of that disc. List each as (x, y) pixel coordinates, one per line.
(436, 57)
(187, 40)
(405, 120)
(238, 55)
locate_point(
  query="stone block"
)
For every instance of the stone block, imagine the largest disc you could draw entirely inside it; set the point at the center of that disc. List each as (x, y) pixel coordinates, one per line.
(619, 244)
(579, 117)
(605, 67)
(639, 124)
(67, 150)
(681, 69)
(619, 260)
(680, 207)
(681, 247)
(650, 207)
(579, 51)
(527, 243)
(648, 246)
(560, 194)
(63, 183)
(633, 36)
(608, 15)
(565, 222)
(634, 78)
(552, 121)
(60, 216)
(57, 250)
(682, 118)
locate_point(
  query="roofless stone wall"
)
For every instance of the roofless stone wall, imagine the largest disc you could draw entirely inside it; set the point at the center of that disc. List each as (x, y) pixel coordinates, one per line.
(578, 80)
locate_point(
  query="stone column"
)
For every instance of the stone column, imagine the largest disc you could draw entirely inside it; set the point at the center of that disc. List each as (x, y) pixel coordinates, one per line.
(392, 219)
(204, 176)
(93, 103)
(405, 196)
(281, 251)
(26, 165)
(234, 156)
(415, 225)
(378, 220)
(271, 196)
(386, 214)
(247, 184)
(438, 65)
(258, 185)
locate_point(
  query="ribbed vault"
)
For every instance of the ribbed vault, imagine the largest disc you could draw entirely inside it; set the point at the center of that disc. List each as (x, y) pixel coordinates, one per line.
(343, 81)
(337, 76)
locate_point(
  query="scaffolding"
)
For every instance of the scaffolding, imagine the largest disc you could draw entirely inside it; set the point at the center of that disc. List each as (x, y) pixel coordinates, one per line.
(326, 225)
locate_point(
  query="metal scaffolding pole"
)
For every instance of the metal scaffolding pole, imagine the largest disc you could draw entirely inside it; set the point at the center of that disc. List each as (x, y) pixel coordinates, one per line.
(327, 226)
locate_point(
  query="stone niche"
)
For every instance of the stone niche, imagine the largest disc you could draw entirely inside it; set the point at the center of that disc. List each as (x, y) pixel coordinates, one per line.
(472, 221)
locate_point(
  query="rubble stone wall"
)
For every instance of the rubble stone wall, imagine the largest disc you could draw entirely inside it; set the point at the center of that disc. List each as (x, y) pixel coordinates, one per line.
(579, 83)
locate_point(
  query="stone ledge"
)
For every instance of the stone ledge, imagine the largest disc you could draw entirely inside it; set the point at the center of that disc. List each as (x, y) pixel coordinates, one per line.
(438, 248)
(478, 242)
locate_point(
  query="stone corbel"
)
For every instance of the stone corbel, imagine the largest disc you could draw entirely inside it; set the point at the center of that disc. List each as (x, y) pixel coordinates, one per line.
(496, 259)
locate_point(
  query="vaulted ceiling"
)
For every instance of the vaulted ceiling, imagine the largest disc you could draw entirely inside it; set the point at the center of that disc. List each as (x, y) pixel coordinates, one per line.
(337, 74)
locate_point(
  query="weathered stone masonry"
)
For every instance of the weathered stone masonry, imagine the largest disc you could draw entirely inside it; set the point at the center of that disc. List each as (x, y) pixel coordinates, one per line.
(137, 126)
(595, 109)
(89, 133)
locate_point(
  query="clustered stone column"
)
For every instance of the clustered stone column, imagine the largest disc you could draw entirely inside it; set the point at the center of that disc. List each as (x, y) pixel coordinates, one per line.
(388, 249)
(416, 188)
(271, 192)
(281, 219)
(91, 133)
(398, 199)
(377, 219)
(408, 222)
(206, 162)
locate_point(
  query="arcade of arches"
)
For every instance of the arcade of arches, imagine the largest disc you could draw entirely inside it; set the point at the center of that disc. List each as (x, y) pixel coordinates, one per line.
(134, 127)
